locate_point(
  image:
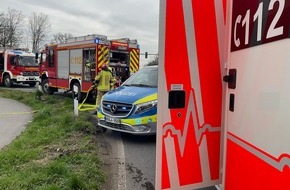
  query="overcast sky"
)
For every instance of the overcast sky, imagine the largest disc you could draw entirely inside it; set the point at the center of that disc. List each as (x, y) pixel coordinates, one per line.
(134, 19)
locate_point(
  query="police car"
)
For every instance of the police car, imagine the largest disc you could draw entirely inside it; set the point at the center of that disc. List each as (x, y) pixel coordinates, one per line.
(132, 107)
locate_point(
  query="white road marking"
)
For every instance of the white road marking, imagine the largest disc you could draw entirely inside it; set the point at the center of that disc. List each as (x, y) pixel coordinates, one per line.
(121, 165)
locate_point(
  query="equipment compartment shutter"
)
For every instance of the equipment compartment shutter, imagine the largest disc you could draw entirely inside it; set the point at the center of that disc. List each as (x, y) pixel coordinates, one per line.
(76, 60)
(63, 64)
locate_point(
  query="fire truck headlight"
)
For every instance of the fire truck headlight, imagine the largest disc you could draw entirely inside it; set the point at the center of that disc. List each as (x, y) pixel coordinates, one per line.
(145, 106)
(21, 73)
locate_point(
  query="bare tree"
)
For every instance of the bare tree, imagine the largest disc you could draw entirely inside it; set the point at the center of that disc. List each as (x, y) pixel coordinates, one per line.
(2, 26)
(38, 29)
(61, 37)
(10, 27)
(154, 61)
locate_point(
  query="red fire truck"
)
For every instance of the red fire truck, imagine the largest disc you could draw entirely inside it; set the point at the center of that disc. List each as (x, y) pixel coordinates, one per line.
(78, 61)
(18, 66)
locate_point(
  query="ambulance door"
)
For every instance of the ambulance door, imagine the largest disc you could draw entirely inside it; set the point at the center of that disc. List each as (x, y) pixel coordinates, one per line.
(190, 95)
(258, 103)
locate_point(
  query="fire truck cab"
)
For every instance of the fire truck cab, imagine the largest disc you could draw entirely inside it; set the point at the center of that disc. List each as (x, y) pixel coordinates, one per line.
(79, 60)
(18, 66)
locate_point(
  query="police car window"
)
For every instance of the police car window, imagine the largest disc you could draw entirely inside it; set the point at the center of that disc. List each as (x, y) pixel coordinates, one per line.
(143, 78)
(146, 77)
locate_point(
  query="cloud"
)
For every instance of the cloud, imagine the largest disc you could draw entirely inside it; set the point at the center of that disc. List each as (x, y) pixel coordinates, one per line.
(134, 19)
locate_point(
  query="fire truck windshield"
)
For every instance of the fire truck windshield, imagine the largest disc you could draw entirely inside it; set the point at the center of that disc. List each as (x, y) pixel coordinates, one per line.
(28, 61)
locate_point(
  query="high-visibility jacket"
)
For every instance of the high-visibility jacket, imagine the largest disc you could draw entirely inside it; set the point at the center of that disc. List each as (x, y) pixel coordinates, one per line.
(104, 80)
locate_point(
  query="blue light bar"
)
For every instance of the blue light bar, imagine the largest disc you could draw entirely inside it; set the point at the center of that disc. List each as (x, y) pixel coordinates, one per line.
(97, 41)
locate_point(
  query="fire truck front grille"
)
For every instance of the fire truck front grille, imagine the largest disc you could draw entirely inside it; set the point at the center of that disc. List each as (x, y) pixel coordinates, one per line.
(30, 73)
(116, 109)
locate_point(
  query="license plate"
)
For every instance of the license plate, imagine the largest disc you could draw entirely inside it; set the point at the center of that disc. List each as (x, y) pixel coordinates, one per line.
(113, 120)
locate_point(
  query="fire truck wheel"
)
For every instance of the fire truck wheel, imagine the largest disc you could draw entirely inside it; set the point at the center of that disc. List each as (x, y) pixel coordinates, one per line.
(32, 84)
(45, 87)
(7, 81)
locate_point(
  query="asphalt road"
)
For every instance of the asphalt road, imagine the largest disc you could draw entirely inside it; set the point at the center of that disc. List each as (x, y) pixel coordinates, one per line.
(140, 154)
(12, 117)
(134, 158)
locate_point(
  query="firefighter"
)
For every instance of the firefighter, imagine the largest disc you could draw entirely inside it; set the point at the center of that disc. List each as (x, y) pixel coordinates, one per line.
(104, 82)
(115, 79)
(90, 65)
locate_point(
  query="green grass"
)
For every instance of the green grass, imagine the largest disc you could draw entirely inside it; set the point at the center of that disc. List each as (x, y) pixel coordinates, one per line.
(57, 151)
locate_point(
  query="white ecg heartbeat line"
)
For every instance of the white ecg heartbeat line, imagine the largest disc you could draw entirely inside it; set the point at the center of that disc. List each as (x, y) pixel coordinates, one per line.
(198, 128)
(278, 163)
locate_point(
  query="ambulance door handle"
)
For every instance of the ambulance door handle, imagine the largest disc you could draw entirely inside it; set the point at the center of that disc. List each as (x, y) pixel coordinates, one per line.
(176, 99)
(231, 78)
(232, 102)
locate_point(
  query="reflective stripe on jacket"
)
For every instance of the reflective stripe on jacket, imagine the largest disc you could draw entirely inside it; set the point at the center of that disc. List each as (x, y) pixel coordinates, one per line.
(104, 79)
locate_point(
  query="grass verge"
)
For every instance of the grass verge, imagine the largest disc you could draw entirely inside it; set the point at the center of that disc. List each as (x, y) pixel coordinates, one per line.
(56, 150)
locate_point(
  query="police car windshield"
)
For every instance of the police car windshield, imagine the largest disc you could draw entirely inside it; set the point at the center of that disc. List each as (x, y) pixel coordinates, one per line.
(28, 61)
(145, 77)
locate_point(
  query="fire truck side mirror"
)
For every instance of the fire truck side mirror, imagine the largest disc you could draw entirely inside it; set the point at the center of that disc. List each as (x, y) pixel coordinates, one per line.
(146, 54)
(41, 57)
(36, 55)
